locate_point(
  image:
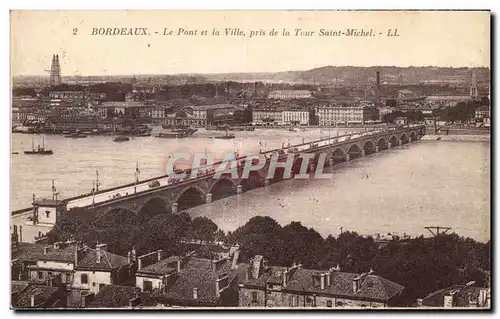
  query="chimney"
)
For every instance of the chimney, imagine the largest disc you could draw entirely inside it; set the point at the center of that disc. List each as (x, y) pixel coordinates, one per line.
(355, 285)
(328, 279)
(98, 254)
(129, 257)
(20, 234)
(377, 90)
(46, 249)
(32, 300)
(86, 299)
(322, 281)
(103, 247)
(139, 264)
(179, 265)
(420, 302)
(134, 254)
(195, 293)
(285, 278)
(160, 254)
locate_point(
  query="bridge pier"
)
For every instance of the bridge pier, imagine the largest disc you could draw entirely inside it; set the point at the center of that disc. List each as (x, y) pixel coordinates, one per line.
(363, 153)
(331, 162)
(239, 189)
(208, 198)
(400, 142)
(377, 149)
(409, 139)
(347, 157)
(389, 145)
(175, 207)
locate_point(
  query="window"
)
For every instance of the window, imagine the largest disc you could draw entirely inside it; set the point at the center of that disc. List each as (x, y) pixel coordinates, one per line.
(101, 286)
(40, 275)
(93, 284)
(47, 213)
(254, 296)
(329, 303)
(148, 285)
(84, 279)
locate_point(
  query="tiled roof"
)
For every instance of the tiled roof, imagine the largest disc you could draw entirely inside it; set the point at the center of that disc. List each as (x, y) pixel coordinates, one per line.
(108, 260)
(484, 108)
(436, 299)
(159, 268)
(114, 296)
(34, 252)
(371, 286)
(196, 273)
(42, 294)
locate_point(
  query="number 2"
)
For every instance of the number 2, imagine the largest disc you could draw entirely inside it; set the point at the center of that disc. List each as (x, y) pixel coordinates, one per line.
(75, 30)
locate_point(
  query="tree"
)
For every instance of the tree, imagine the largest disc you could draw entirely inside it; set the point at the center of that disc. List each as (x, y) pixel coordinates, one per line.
(203, 229)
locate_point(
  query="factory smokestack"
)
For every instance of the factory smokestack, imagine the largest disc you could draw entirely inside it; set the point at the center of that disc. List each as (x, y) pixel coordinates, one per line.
(377, 90)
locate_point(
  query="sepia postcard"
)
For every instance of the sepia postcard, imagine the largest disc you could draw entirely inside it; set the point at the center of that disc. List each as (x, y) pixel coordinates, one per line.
(319, 160)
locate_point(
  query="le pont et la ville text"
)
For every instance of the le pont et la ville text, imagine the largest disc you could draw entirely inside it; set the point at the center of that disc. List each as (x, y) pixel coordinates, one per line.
(250, 33)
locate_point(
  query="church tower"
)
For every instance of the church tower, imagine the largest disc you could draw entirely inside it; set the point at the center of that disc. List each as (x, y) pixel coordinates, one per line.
(473, 85)
(55, 71)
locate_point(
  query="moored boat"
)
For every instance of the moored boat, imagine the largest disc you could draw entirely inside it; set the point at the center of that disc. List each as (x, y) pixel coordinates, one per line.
(121, 139)
(40, 150)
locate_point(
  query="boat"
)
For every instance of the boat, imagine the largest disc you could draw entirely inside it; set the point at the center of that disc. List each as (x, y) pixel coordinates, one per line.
(293, 129)
(176, 133)
(76, 135)
(39, 150)
(15, 153)
(121, 139)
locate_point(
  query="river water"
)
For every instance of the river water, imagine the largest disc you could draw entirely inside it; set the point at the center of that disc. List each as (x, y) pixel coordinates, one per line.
(402, 190)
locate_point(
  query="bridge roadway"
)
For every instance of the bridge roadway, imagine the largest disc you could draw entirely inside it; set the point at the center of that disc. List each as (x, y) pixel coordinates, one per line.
(116, 196)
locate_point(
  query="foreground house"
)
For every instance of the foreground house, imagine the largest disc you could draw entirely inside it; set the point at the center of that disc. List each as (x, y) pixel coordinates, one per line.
(25, 295)
(189, 281)
(461, 296)
(275, 286)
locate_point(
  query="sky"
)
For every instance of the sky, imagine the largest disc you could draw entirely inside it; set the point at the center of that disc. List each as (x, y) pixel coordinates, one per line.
(426, 38)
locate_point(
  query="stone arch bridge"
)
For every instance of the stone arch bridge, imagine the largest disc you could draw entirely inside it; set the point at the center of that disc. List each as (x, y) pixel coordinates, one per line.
(192, 192)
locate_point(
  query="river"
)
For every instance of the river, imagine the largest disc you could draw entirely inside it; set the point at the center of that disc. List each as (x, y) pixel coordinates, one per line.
(402, 190)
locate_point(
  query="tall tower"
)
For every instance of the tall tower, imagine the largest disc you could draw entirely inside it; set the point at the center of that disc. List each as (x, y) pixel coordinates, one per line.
(473, 85)
(377, 89)
(55, 71)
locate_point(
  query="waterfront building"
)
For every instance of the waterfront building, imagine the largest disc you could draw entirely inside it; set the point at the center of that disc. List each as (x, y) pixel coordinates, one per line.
(333, 114)
(482, 116)
(201, 115)
(458, 296)
(276, 286)
(289, 94)
(268, 115)
(295, 117)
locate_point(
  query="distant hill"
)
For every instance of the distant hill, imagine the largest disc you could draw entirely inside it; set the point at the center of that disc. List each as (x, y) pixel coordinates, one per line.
(347, 75)
(362, 75)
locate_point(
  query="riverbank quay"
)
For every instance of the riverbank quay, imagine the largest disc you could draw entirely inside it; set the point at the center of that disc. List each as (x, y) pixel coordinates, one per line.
(463, 138)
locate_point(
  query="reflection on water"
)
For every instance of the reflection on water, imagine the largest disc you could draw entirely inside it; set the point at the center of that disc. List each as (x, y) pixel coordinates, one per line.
(401, 190)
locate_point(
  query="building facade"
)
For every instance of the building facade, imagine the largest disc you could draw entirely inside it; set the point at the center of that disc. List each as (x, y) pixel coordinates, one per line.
(268, 116)
(332, 115)
(275, 286)
(295, 117)
(289, 94)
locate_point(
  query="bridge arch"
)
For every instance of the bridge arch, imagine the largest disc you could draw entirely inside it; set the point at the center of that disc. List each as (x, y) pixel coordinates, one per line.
(222, 187)
(382, 143)
(413, 135)
(393, 140)
(369, 147)
(354, 151)
(403, 138)
(189, 197)
(153, 206)
(338, 156)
